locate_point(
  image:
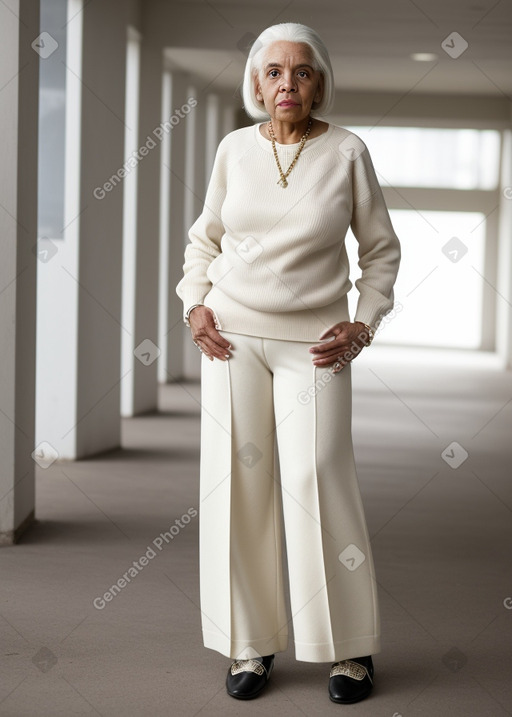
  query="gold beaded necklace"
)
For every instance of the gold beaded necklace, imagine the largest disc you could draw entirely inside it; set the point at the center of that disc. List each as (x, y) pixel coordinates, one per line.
(283, 181)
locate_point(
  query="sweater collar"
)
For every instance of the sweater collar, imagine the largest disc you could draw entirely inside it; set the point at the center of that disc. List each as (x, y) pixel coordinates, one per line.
(310, 143)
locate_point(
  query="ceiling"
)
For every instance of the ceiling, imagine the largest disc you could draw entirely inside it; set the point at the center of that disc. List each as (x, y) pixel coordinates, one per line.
(370, 41)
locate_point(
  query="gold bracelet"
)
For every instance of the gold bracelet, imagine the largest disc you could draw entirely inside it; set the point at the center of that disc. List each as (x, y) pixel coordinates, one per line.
(371, 332)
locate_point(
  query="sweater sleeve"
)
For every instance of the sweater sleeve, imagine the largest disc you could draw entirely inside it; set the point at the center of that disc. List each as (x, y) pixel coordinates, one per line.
(379, 248)
(205, 237)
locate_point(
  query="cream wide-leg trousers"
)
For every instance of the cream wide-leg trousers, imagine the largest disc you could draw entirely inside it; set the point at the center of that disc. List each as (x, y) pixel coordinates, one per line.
(276, 438)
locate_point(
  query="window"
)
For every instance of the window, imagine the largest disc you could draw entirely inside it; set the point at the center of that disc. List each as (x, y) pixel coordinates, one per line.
(434, 157)
(441, 189)
(439, 289)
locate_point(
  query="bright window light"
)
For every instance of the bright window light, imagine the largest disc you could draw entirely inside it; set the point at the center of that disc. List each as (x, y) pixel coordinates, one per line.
(438, 293)
(433, 157)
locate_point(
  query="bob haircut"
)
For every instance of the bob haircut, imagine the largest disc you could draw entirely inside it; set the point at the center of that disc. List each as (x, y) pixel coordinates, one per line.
(290, 32)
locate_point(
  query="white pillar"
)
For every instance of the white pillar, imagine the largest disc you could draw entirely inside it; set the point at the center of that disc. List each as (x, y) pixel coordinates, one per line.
(145, 337)
(19, 75)
(101, 225)
(504, 297)
(195, 190)
(130, 185)
(80, 288)
(164, 289)
(195, 151)
(186, 180)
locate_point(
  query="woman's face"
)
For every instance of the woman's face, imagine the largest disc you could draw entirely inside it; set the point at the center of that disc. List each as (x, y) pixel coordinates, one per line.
(287, 84)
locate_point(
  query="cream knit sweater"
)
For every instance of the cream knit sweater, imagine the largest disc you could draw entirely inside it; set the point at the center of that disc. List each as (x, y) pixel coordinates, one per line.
(271, 261)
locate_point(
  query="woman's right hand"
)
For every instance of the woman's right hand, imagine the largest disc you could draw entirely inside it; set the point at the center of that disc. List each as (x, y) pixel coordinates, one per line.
(206, 336)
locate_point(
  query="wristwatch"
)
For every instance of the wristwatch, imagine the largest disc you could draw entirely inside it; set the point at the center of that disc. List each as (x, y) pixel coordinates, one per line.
(186, 317)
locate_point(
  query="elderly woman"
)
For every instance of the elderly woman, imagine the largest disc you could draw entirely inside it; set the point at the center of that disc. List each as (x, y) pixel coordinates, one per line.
(265, 295)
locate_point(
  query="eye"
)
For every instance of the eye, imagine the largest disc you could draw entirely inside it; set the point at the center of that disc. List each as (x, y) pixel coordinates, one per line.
(271, 73)
(303, 73)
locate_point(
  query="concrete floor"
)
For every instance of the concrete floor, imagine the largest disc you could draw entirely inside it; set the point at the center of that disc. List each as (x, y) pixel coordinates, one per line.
(441, 537)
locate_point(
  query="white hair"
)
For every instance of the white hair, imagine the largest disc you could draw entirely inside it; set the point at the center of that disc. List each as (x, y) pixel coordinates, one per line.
(290, 32)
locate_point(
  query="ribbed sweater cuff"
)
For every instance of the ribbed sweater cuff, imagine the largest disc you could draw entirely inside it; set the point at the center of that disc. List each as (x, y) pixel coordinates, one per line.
(371, 310)
(191, 297)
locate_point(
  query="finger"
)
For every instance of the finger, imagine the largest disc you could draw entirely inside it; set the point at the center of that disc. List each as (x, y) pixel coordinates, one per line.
(322, 348)
(219, 341)
(209, 337)
(342, 346)
(335, 330)
(210, 347)
(328, 361)
(325, 334)
(335, 349)
(217, 338)
(206, 326)
(204, 333)
(331, 351)
(343, 356)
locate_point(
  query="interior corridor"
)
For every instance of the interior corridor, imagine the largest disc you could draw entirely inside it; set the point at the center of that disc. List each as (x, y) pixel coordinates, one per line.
(441, 535)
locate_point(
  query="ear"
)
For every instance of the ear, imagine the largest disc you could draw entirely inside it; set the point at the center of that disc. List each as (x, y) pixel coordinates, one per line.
(257, 89)
(319, 90)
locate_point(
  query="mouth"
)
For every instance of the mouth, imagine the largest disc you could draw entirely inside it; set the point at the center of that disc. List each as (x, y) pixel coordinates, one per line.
(287, 103)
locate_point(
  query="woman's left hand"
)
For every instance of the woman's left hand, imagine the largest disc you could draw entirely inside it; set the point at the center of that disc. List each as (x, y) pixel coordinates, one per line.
(349, 340)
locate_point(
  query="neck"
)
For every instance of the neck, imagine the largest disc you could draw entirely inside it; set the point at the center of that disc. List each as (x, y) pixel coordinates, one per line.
(289, 132)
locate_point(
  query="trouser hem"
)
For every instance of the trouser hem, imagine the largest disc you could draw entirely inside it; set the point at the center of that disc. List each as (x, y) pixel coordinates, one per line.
(333, 652)
(244, 649)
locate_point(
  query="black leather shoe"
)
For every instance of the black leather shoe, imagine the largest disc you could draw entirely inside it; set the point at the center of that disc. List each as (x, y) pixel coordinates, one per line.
(247, 678)
(351, 680)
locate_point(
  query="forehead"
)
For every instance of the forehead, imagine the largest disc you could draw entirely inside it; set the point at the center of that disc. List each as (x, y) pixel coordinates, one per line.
(285, 52)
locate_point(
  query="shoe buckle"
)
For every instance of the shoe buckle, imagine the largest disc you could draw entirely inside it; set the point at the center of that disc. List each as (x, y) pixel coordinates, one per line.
(247, 666)
(350, 669)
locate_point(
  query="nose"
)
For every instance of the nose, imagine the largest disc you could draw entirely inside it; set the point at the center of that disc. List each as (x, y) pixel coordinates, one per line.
(288, 84)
